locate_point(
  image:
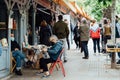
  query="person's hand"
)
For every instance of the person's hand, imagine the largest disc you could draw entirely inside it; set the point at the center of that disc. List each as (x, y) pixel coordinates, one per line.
(16, 49)
(44, 49)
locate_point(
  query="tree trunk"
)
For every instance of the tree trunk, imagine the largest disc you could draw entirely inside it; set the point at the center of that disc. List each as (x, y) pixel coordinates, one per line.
(107, 12)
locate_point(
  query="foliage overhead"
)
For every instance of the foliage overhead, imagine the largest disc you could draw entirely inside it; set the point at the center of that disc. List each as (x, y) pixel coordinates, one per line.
(105, 2)
(94, 7)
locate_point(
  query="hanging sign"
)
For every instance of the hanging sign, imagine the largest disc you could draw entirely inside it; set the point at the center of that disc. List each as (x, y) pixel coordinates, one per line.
(10, 25)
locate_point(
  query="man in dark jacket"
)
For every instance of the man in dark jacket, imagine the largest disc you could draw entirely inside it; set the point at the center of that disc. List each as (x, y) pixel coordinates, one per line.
(17, 54)
(61, 30)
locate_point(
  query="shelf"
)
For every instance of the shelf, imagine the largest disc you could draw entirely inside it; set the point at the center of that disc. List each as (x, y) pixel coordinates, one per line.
(3, 28)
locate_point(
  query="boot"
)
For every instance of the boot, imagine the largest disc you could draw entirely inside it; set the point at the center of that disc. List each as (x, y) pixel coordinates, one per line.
(18, 72)
(118, 62)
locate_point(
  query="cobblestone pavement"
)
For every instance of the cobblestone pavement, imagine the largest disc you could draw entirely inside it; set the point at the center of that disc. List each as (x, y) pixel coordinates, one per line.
(97, 67)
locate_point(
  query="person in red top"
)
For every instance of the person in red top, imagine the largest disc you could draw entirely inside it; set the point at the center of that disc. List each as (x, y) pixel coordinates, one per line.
(95, 35)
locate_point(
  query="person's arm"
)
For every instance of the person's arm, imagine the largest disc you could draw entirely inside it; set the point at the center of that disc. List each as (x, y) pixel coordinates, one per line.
(67, 31)
(55, 49)
(54, 30)
(17, 46)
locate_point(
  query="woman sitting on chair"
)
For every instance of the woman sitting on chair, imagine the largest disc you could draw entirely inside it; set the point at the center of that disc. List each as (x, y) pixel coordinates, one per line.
(53, 52)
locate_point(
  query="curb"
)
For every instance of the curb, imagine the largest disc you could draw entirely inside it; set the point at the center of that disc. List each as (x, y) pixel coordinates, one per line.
(7, 77)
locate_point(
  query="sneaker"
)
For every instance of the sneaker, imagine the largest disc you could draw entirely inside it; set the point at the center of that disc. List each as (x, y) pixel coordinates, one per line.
(94, 54)
(99, 54)
(29, 62)
(45, 76)
(39, 73)
(85, 57)
(118, 62)
(65, 61)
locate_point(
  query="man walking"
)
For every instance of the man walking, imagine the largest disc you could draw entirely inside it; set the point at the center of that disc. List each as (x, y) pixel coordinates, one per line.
(61, 30)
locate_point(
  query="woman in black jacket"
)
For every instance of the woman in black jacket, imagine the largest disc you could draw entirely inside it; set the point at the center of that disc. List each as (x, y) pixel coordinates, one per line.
(45, 33)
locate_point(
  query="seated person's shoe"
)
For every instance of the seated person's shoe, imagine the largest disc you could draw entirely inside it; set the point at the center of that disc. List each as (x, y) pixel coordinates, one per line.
(29, 62)
(18, 72)
(45, 76)
(39, 73)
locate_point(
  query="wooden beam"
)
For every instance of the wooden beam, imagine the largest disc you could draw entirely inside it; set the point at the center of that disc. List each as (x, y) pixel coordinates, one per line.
(7, 3)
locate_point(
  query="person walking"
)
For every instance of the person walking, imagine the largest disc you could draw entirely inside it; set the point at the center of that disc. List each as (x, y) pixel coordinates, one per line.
(95, 35)
(77, 35)
(61, 30)
(106, 33)
(67, 38)
(84, 34)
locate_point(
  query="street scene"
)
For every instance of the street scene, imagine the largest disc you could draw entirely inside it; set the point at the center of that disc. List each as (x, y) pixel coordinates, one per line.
(59, 40)
(97, 67)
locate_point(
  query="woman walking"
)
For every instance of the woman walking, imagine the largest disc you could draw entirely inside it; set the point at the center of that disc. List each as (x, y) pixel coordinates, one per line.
(84, 34)
(95, 35)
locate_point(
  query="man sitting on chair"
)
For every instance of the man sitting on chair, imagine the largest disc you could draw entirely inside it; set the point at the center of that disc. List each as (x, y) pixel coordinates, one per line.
(53, 52)
(17, 54)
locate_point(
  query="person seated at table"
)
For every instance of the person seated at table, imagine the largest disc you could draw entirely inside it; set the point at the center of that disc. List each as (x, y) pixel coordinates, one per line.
(17, 54)
(53, 52)
(32, 59)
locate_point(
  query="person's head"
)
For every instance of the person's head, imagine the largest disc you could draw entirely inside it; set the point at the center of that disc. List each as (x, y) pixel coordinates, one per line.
(60, 17)
(53, 39)
(116, 20)
(105, 21)
(12, 37)
(84, 21)
(108, 20)
(93, 21)
(78, 23)
(43, 23)
(66, 21)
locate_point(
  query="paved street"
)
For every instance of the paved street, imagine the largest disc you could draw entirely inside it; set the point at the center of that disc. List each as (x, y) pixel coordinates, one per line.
(97, 67)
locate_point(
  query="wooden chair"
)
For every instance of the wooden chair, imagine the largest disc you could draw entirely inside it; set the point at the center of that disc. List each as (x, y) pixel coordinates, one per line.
(58, 62)
(13, 63)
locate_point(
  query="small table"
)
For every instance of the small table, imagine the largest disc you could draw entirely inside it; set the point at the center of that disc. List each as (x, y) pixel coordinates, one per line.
(36, 49)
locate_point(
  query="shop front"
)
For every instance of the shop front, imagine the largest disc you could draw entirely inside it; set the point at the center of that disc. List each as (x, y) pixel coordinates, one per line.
(4, 54)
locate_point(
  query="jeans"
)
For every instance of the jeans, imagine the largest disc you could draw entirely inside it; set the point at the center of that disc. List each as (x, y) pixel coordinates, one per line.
(85, 48)
(65, 48)
(77, 42)
(106, 38)
(96, 42)
(19, 56)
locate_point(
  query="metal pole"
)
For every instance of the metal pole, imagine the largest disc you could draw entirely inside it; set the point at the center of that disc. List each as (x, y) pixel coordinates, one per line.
(113, 60)
(9, 32)
(21, 27)
(33, 25)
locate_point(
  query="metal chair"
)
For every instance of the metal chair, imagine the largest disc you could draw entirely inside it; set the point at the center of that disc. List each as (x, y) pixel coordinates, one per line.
(58, 62)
